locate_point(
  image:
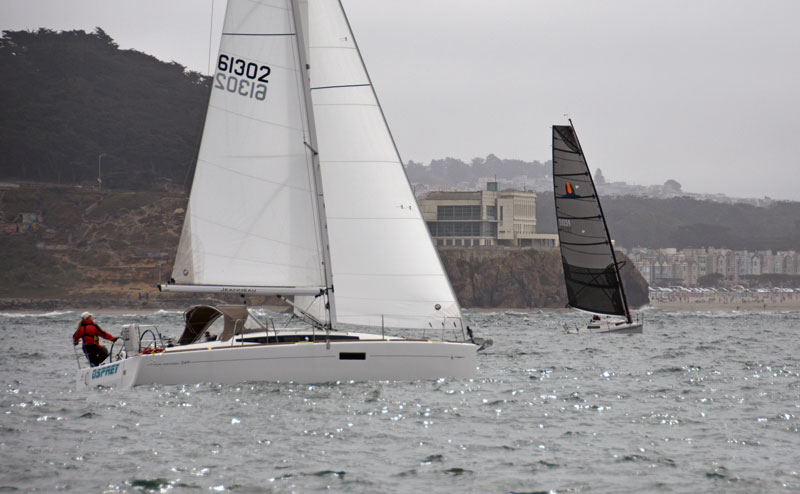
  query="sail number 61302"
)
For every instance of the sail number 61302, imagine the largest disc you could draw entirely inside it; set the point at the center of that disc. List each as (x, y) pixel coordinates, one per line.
(241, 77)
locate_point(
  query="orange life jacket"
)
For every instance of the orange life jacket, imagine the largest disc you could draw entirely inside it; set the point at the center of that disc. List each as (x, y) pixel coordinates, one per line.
(91, 333)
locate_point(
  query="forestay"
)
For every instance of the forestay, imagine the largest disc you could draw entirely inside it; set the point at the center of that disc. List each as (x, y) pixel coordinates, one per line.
(252, 218)
(386, 270)
(590, 269)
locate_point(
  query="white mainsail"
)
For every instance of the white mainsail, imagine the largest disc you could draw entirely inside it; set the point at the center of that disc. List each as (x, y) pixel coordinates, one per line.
(386, 270)
(253, 217)
(256, 223)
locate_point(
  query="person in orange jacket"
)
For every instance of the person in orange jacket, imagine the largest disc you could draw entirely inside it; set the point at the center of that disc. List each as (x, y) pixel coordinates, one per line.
(90, 333)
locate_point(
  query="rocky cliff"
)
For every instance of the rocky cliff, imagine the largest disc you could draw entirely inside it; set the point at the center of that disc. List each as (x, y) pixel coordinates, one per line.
(520, 278)
(75, 245)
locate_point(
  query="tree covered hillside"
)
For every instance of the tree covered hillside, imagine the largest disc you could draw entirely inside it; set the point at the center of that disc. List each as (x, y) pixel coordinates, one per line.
(69, 97)
(683, 222)
(450, 171)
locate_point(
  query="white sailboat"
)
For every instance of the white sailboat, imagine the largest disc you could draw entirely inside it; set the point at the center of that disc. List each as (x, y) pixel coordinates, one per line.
(591, 271)
(299, 191)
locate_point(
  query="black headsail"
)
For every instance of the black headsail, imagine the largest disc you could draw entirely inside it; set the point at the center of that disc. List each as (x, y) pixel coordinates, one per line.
(591, 271)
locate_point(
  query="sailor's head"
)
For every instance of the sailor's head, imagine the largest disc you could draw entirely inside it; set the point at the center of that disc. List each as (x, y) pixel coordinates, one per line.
(86, 315)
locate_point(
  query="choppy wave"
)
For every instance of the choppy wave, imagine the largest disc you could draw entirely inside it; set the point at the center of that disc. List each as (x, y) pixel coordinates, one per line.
(700, 402)
(50, 314)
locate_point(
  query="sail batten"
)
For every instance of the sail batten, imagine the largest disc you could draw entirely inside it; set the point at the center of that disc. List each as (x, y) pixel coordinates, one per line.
(253, 217)
(339, 86)
(591, 273)
(292, 112)
(259, 34)
(385, 267)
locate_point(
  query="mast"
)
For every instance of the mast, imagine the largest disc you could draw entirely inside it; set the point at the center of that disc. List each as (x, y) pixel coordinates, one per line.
(311, 144)
(605, 226)
(400, 160)
(385, 266)
(256, 222)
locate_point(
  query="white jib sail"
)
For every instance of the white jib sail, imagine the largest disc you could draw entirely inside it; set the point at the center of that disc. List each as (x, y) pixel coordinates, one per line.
(385, 267)
(252, 218)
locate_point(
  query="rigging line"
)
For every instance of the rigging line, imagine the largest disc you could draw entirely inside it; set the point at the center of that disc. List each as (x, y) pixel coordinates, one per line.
(255, 119)
(587, 284)
(390, 275)
(617, 274)
(593, 284)
(581, 289)
(210, 30)
(262, 262)
(305, 104)
(226, 226)
(366, 105)
(264, 180)
(594, 279)
(340, 86)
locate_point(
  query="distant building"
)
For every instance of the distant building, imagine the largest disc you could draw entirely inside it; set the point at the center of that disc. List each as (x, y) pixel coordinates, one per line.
(484, 218)
(662, 267)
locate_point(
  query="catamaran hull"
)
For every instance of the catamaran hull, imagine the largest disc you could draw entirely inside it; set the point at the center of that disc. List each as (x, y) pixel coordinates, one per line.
(316, 362)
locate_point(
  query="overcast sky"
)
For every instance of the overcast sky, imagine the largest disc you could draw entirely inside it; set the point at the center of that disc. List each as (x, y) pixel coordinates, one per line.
(706, 92)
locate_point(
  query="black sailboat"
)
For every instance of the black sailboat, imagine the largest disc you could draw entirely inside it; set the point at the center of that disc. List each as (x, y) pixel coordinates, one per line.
(591, 270)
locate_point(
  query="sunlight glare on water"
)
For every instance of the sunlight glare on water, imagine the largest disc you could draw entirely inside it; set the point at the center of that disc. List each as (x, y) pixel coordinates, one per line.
(700, 402)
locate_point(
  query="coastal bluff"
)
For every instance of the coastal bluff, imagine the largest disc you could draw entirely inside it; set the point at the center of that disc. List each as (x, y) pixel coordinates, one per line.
(68, 246)
(520, 278)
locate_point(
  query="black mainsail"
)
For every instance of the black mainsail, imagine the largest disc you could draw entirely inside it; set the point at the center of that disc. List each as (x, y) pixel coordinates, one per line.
(591, 271)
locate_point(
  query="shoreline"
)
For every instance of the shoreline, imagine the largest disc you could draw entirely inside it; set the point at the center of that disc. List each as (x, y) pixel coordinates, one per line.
(115, 307)
(100, 306)
(727, 307)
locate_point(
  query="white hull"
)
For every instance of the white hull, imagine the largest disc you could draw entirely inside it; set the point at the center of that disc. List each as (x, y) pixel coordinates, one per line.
(632, 328)
(303, 362)
(608, 327)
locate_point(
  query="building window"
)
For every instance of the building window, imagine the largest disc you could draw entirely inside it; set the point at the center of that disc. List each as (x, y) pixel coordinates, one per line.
(432, 228)
(491, 212)
(458, 213)
(488, 229)
(459, 229)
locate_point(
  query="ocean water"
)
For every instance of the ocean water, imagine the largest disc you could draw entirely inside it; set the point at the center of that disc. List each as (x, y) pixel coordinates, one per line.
(701, 402)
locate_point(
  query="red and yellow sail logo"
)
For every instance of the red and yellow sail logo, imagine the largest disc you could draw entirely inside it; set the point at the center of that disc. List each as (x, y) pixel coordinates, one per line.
(569, 191)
